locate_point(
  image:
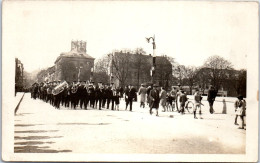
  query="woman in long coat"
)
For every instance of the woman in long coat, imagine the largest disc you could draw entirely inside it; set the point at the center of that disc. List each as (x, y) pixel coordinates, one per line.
(142, 92)
(163, 94)
(154, 99)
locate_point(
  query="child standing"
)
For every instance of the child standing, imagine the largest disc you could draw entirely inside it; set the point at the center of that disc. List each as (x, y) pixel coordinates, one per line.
(197, 103)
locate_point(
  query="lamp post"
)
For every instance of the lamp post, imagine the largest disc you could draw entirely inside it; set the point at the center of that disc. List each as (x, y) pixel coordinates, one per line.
(91, 73)
(79, 72)
(111, 68)
(154, 56)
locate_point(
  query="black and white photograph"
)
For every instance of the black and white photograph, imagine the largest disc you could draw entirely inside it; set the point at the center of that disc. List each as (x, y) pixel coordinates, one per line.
(130, 80)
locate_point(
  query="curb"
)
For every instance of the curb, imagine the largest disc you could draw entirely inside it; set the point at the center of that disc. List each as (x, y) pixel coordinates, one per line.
(17, 107)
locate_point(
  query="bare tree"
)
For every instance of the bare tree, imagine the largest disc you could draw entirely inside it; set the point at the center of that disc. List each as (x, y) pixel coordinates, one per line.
(202, 78)
(190, 74)
(101, 69)
(121, 63)
(141, 64)
(179, 73)
(217, 67)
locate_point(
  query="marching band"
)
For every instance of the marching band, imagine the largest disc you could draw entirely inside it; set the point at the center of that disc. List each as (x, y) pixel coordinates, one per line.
(82, 94)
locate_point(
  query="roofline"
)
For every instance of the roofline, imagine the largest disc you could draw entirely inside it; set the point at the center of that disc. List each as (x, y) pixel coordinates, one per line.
(84, 57)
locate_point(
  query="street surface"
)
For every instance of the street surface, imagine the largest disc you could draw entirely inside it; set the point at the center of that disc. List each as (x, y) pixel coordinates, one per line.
(40, 128)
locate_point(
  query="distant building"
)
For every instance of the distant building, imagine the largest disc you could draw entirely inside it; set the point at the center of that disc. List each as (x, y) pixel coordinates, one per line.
(19, 75)
(75, 65)
(138, 70)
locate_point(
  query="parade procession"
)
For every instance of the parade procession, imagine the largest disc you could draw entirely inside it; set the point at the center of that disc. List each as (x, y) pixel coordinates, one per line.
(123, 81)
(78, 94)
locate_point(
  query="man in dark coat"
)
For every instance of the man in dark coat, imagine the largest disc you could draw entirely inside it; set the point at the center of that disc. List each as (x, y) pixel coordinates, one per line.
(154, 99)
(126, 92)
(131, 96)
(183, 100)
(91, 94)
(212, 93)
(104, 95)
(81, 94)
(148, 90)
(109, 94)
(98, 95)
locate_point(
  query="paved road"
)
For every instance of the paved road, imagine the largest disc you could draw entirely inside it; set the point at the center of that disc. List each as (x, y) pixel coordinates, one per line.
(41, 128)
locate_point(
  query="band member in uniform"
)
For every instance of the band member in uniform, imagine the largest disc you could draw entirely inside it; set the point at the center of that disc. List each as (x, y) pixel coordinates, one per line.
(49, 91)
(113, 98)
(91, 94)
(81, 93)
(85, 95)
(74, 90)
(109, 95)
(98, 95)
(67, 95)
(104, 96)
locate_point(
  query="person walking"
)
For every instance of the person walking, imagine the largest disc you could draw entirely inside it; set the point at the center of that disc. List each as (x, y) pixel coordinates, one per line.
(163, 95)
(212, 93)
(173, 98)
(197, 103)
(142, 93)
(149, 88)
(183, 99)
(109, 94)
(98, 95)
(240, 110)
(131, 96)
(154, 99)
(126, 91)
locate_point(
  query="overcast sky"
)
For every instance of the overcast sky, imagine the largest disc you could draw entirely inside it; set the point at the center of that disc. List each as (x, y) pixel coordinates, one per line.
(188, 31)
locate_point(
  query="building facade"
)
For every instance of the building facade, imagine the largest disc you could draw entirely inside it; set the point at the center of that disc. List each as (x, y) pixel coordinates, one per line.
(75, 65)
(135, 69)
(19, 75)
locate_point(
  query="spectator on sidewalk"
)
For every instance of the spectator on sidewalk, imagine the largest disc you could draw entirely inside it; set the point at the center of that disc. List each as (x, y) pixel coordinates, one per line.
(197, 103)
(142, 93)
(212, 93)
(154, 99)
(183, 100)
(240, 110)
(163, 94)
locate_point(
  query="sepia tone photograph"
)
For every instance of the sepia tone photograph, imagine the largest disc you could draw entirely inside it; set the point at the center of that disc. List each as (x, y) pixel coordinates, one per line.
(130, 81)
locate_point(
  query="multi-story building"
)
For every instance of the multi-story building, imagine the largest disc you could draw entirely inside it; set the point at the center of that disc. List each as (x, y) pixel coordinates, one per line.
(19, 75)
(135, 69)
(75, 65)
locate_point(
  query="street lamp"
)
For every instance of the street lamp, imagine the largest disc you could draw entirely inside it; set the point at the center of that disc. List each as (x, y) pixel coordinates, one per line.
(91, 73)
(79, 72)
(111, 68)
(154, 56)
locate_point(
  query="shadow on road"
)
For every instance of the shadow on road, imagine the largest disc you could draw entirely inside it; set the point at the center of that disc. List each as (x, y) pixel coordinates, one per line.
(33, 143)
(35, 137)
(26, 125)
(83, 123)
(35, 131)
(36, 149)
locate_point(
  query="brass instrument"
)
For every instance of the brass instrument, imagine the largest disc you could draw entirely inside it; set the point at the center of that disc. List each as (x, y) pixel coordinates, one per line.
(74, 88)
(59, 88)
